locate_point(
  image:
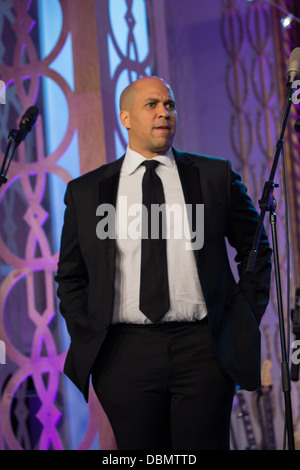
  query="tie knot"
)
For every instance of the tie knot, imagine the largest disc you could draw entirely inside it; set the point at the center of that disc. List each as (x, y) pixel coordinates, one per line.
(150, 164)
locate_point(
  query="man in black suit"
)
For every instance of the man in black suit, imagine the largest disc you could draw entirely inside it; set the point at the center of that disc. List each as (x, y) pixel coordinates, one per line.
(165, 378)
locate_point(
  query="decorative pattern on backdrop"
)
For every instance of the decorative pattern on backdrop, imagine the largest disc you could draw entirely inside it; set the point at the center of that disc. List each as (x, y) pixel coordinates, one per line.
(34, 412)
(285, 41)
(127, 27)
(252, 87)
(32, 406)
(28, 259)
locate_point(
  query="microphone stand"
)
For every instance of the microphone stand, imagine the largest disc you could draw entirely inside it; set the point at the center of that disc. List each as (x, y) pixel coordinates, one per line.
(268, 204)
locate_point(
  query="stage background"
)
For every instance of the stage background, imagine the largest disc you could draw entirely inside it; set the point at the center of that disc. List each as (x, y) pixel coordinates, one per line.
(226, 61)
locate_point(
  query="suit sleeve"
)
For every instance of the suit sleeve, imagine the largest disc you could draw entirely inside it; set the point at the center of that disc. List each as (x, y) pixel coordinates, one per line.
(72, 276)
(241, 227)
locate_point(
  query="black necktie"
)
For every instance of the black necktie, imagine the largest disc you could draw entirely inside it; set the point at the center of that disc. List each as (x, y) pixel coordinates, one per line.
(154, 290)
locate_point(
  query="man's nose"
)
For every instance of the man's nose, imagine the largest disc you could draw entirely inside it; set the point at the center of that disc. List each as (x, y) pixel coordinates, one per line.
(164, 111)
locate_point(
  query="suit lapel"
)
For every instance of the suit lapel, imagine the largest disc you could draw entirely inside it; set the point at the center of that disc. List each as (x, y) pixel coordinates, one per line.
(108, 186)
(191, 187)
(108, 189)
(190, 178)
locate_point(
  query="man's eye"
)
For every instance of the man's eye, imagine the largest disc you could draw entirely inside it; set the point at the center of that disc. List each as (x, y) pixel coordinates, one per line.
(151, 105)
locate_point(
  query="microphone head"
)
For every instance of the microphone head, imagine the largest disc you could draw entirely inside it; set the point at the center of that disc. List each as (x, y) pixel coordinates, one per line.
(293, 67)
(29, 118)
(297, 128)
(26, 124)
(297, 297)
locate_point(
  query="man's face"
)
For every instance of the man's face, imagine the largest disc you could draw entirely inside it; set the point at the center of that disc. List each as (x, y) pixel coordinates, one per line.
(151, 118)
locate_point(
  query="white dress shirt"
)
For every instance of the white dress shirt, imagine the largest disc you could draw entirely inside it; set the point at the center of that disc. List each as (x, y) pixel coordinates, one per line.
(186, 298)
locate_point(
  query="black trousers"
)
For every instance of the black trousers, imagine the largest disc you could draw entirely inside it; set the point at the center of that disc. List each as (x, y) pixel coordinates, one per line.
(162, 388)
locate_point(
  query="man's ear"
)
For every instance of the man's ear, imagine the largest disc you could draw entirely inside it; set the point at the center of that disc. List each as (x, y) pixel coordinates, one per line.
(124, 118)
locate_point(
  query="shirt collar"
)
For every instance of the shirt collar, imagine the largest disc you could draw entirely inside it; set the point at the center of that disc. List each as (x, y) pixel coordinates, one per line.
(134, 159)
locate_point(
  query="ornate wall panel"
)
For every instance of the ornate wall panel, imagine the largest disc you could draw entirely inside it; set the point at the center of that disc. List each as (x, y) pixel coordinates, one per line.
(37, 401)
(286, 40)
(254, 90)
(32, 405)
(132, 32)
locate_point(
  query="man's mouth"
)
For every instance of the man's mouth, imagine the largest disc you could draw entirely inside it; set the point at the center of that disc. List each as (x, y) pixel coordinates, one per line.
(162, 127)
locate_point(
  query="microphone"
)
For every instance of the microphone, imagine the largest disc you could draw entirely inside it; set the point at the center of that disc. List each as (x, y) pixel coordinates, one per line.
(293, 67)
(296, 331)
(26, 124)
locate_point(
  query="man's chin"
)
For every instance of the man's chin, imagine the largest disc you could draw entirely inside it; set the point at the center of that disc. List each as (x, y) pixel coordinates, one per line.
(161, 147)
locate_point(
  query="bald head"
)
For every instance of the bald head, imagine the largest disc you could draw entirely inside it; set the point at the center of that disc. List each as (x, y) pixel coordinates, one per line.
(129, 93)
(148, 113)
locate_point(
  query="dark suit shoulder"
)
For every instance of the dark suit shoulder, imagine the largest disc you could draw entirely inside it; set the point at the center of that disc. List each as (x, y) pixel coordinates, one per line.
(199, 158)
(207, 163)
(97, 175)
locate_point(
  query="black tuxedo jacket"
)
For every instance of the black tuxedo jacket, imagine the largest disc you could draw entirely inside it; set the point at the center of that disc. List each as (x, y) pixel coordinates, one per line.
(86, 267)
